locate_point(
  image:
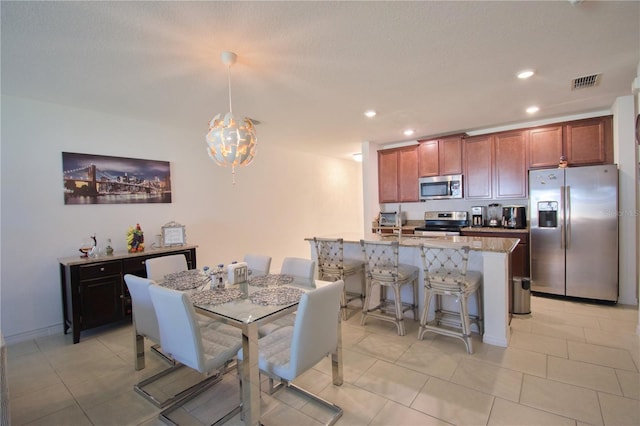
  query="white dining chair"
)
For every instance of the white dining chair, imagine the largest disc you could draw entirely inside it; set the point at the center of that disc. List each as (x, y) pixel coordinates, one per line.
(258, 264)
(290, 351)
(299, 268)
(207, 350)
(158, 267)
(303, 271)
(145, 325)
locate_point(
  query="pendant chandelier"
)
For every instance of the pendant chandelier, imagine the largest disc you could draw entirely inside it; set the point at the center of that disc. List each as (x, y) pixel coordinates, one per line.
(231, 142)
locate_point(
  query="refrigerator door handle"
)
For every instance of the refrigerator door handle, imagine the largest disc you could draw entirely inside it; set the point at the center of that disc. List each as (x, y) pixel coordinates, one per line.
(568, 214)
(562, 222)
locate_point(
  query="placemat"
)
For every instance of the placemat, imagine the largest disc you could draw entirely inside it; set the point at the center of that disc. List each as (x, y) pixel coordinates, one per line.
(184, 280)
(276, 296)
(271, 279)
(215, 296)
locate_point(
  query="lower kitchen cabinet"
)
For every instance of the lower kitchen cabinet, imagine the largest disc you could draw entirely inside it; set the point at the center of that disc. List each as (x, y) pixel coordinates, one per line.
(520, 255)
(93, 289)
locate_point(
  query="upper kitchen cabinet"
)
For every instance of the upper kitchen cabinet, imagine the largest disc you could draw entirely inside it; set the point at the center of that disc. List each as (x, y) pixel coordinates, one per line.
(440, 157)
(582, 142)
(510, 167)
(478, 167)
(495, 166)
(545, 146)
(589, 141)
(398, 175)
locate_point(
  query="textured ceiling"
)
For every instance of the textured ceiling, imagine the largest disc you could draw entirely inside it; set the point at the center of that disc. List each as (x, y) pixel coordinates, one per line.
(308, 70)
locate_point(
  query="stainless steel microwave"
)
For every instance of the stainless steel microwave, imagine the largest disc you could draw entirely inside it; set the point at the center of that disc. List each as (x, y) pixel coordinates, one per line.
(440, 187)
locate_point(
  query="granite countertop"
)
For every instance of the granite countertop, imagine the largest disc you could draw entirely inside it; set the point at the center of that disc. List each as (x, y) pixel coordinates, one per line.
(489, 244)
(493, 229)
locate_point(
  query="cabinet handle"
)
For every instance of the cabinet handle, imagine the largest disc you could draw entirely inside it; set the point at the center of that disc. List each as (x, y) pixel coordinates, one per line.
(142, 262)
(122, 296)
(102, 269)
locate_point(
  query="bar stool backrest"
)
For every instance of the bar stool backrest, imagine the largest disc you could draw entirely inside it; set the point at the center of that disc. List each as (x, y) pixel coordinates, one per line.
(381, 259)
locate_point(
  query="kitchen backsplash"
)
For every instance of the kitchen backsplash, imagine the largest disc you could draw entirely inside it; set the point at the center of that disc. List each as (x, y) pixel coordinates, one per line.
(415, 211)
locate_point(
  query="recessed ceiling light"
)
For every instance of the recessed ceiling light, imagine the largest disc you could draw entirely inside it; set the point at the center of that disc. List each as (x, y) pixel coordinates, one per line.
(357, 157)
(525, 74)
(533, 109)
(371, 113)
(409, 132)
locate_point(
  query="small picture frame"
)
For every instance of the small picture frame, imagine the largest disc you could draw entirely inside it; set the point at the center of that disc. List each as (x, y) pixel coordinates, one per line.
(173, 234)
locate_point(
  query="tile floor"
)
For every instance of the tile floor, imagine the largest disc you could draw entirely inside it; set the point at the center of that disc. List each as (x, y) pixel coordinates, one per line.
(568, 364)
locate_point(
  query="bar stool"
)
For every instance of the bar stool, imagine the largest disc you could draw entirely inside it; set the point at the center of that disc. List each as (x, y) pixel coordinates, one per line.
(384, 270)
(333, 266)
(445, 274)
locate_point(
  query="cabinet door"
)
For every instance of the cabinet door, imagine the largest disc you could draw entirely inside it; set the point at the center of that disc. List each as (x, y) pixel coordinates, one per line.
(408, 174)
(585, 142)
(478, 165)
(428, 158)
(388, 176)
(101, 301)
(510, 165)
(450, 156)
(545, 147)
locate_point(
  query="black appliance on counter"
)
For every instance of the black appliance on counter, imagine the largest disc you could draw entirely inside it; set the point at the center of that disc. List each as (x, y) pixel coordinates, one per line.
(514, 217)
(440, 224)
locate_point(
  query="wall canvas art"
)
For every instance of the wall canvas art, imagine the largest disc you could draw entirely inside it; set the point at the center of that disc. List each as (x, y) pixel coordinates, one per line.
(101, 179)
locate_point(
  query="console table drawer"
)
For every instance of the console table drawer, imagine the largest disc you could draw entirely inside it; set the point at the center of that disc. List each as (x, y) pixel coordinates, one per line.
(134, 265)
(100, 270)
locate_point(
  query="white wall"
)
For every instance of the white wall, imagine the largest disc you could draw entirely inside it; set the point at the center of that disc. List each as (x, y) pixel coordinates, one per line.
(280, 199)
(625, 157)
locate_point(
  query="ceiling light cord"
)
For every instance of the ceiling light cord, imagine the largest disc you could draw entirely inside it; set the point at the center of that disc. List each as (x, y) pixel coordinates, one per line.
(229, 83)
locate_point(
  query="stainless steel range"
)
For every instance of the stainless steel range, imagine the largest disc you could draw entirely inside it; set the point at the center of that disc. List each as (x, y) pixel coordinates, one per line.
(442, 224)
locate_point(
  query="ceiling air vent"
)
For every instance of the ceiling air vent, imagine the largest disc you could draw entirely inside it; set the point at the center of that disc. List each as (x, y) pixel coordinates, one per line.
(584, 82)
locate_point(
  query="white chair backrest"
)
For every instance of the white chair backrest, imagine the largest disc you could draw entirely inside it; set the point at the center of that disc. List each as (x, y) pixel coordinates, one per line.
(258, 264)
(158, 267)
(303, 268)
(144, 314)
(179, 332)
(315, 331)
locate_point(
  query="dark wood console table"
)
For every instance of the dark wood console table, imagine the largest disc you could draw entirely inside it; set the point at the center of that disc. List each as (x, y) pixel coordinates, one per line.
(93, 289)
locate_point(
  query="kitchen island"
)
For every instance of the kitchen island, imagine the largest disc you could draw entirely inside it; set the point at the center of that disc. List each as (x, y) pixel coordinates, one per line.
(489, 255)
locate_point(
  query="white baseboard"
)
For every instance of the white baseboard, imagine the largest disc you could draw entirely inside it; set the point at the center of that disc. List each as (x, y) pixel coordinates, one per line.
(34, 334)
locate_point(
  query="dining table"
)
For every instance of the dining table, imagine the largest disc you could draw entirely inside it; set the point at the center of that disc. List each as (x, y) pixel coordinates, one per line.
(248, 305)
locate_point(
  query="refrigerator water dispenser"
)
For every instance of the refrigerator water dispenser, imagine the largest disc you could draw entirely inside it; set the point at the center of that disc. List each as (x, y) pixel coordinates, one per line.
(547, 214)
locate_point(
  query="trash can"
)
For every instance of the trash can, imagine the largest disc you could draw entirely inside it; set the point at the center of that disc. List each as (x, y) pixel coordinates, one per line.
(521, 295)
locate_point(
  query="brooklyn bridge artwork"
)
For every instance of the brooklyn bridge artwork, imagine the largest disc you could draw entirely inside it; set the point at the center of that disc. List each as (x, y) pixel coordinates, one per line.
(101, 179)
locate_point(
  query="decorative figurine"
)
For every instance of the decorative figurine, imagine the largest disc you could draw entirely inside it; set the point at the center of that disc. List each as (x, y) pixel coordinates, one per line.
(88, 246)
(135, 239)
(109, 249)
(563, 162)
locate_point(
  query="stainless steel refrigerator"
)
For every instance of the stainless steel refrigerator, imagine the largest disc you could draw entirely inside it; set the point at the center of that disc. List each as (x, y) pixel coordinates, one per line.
(574, 231)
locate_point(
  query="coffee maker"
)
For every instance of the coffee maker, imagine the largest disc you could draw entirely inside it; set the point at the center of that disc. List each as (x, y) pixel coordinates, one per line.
(478, 216)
